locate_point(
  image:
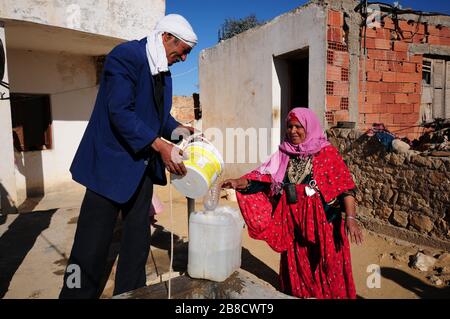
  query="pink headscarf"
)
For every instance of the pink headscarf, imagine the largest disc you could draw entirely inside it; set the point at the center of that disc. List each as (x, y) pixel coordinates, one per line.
(315, 140)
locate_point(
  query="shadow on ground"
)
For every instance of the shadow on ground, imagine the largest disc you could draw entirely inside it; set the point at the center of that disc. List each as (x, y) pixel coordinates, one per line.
(417, 286)
(17, 241)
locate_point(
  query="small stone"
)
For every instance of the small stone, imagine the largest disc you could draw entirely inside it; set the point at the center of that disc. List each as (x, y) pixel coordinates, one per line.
(421, 161)
(422, 262)
(387, 193)
(444, 259)
(399, 146)
(400, 218)
(382, 256)
(422, 223)
(437, 164)
(384, 213)
(396, 159)
(435, 280)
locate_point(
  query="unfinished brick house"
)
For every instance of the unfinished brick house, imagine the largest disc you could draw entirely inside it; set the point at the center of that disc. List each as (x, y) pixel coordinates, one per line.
(345, 61)
(404, 67)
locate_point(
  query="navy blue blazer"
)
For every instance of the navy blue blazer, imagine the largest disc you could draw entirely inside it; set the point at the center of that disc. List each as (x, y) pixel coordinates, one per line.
(113, 154)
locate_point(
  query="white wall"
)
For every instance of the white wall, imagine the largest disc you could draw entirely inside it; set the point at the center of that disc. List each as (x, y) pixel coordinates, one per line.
(71, 82)
(8, 194)
(239, 85)
(126, 19)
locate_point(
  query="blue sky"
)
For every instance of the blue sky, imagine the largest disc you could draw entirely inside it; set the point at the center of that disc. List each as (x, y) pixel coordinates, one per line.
(207, 16)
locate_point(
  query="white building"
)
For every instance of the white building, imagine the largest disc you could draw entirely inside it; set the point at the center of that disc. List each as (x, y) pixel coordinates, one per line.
(257, 74)
(50, 58)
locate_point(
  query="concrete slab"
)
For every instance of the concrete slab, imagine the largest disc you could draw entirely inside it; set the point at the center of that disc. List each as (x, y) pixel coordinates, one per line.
(240, 285)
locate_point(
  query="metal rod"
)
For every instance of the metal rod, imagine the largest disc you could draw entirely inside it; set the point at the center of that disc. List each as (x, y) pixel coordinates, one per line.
(190, 208)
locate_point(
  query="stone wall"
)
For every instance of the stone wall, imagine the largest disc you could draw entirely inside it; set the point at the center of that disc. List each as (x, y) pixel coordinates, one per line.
(406, 194)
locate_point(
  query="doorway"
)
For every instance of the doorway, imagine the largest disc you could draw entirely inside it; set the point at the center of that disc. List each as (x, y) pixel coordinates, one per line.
(292, 70)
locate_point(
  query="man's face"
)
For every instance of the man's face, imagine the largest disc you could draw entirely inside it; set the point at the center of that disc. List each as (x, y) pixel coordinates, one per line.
(176, 50)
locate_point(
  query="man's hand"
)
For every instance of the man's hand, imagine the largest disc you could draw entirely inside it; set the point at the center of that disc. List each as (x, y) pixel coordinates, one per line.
(171, 155)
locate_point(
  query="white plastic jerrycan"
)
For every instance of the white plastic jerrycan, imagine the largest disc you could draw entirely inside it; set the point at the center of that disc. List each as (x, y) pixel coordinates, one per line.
(215, 243)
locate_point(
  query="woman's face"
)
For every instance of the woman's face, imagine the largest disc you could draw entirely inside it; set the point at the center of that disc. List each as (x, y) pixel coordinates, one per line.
(295, 132)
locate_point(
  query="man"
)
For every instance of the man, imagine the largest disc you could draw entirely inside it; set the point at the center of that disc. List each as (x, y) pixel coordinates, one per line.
(122, 155)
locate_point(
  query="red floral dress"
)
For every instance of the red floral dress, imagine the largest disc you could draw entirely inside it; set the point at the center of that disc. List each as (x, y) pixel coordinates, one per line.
(315, 254)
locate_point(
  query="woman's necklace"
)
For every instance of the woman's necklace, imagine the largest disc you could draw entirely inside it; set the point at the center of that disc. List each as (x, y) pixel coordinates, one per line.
(299, 168)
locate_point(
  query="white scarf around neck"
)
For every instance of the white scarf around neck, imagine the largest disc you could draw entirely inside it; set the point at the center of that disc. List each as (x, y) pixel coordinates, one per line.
(175, 25)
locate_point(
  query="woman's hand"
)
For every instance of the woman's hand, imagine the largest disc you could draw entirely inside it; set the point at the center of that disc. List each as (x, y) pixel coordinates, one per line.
(353, 230)
(236, 183)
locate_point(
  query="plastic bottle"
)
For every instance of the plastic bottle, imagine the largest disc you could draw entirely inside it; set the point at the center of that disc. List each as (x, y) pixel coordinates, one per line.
(211, 198)
(215, 243)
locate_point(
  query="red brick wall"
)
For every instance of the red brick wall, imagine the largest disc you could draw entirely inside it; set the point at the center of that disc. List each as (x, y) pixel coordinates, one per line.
(337, 86)
(392, 90)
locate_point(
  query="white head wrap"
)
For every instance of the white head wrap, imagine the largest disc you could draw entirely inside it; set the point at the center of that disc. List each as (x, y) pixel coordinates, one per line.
(177, 26)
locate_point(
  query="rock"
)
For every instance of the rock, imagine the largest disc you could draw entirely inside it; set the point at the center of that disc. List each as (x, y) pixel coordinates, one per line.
(376, 194)
(382, 256)
(421, 223)
(421, 161)
(400, 218)
(437, 164)
(384, 213)
(435, 280)
(437, 178)
(404, 199)
(418, 201)
(444, 259)
(396, 159)
(394, 198)
(387, 193)
(410, 154)
(422, 262)
(399, 146)
(409, 174)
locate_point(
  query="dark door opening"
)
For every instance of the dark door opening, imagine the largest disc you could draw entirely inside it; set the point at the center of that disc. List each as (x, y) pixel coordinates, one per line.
(293, 74)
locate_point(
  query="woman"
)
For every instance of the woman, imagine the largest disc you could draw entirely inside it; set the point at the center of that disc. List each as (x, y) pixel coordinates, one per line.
(293, 202)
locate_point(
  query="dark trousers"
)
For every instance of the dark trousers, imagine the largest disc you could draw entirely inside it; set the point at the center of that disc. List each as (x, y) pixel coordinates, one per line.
(93, 238)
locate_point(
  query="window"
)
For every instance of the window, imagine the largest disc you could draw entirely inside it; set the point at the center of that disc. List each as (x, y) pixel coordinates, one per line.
(426, 72)
(31, 121)
(435, 98)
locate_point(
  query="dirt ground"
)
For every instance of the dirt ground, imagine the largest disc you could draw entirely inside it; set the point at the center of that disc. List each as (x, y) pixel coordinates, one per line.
(34, 248)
